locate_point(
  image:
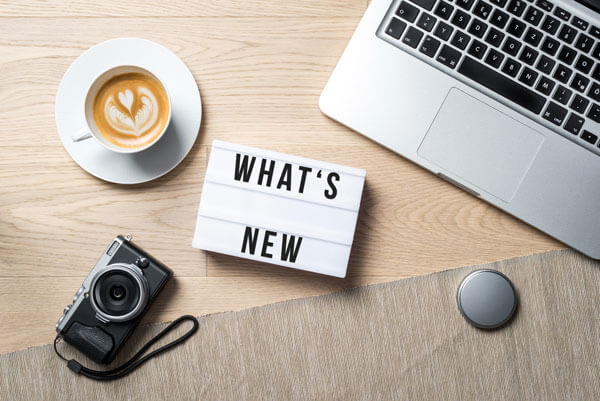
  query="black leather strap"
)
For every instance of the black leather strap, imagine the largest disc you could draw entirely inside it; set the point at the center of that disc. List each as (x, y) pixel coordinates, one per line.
(135, 361)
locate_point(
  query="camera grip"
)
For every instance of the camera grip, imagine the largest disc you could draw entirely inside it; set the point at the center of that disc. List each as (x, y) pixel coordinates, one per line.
(92, 341)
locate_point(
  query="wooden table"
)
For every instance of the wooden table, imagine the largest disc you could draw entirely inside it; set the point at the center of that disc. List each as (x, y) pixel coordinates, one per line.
(260, 66)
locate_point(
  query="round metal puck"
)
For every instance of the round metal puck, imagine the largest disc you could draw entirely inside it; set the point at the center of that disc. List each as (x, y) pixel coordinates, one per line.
(487, 299)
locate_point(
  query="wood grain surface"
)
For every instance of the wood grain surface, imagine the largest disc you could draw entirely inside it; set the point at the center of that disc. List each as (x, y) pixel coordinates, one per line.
(260, 66)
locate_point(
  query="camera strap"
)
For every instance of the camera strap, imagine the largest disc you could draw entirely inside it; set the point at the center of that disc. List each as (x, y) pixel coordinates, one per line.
(135, 361)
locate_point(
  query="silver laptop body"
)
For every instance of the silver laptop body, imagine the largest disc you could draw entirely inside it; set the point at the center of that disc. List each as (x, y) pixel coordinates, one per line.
(492, 127)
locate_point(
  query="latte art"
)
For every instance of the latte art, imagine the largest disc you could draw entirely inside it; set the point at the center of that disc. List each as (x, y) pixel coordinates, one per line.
(131, 110)
(132, 123)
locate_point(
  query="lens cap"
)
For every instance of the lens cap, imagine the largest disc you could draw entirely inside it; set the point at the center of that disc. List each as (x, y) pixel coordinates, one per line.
(487, 299)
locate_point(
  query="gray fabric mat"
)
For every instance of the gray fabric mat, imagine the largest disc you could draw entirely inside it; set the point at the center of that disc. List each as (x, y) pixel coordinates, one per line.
(403, 340)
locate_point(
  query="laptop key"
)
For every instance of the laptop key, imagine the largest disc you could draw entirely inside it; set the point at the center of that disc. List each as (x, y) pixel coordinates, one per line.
(567, 55)
(595, 31)
(460, 19)
(596, 72)
(596, 52)
(589, 137)
(426, 22)
(579, 104)
(407, 11)
(544, 5)
(477, 28)
(477, 49)
(516, 7)
(579, 23)
(494, 37)
(533, 15)
(449, 56)
(528, 76)
(482, 9)
(499, 18)
(460, 40)
(550, 25)
(532, 36)
(567, 34)
(395, 28)
(429, 46)
(574, 124)
(562, 94)
(466, 4)
(494, 58)
(555, 113)
(545, 85)
(594, 92)
(511, 67)
(562, 14)
(502, 85)
(413, 37)
(511, 46)
(444, 10)
(584, 43)
(516, 27)
(443, 31)
(528, 55)
(426, 4)
(499, 3)
(562, 73)
(584, 64)
(579, 82)
(594, 113)
(550, 46)
(545, 64)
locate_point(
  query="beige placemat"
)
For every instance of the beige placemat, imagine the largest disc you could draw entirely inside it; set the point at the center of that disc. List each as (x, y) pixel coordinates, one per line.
(403, 340)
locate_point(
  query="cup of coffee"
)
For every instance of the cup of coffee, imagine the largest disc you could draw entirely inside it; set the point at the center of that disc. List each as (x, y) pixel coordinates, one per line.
(127, 109)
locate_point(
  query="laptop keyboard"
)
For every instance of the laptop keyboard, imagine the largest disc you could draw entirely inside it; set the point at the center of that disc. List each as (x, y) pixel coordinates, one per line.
(533, 54)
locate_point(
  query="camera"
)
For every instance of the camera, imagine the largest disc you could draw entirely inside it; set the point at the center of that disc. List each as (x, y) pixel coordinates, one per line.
(112, 300)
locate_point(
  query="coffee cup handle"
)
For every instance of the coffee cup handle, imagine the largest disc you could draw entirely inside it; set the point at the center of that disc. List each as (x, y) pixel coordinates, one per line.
(82, 134)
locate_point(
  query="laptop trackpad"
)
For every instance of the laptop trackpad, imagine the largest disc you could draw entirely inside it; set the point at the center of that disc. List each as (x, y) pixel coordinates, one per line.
(480, 145)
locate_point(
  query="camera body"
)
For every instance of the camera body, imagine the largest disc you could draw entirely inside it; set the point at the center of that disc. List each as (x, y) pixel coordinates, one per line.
(112, 300)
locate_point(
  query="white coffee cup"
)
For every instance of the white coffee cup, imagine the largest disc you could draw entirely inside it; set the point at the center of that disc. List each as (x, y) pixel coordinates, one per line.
(90, 130)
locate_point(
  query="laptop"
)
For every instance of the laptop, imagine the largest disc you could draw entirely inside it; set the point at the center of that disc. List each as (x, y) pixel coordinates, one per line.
(498, 97)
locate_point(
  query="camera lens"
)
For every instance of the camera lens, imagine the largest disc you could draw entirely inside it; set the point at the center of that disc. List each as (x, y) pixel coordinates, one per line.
(117, 292)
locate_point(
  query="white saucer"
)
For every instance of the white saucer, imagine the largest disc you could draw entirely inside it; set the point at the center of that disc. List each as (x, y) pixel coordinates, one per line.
(172, 147)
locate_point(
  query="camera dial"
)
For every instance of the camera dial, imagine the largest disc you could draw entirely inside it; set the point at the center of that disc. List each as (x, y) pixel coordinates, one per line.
(118, 292)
